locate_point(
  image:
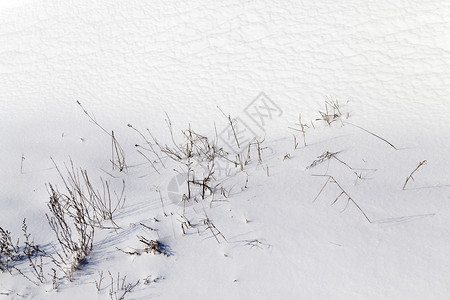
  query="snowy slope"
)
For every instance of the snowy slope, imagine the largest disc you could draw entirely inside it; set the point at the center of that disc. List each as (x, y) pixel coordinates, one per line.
(130, 62)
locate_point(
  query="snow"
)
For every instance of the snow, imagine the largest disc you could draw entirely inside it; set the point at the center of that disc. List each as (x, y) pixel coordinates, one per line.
(277, 234)
(7, 4)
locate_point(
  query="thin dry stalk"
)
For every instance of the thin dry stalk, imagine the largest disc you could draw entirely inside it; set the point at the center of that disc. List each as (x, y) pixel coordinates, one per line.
(213, 229)
(327, 156)
(98, 284)
(257, 244)
(384, 140)
(302, 130)
(21, 163)
(149, 160)
(295, 142)
(117, 153)
(230, 121)
(32, 253)
(332, 112)
(303, 126)
(151, 148)
(259, 149)
(411, 175)
(185, 224)
(343, 192)
(320, 159)
(122, 288)
(55, 278)
(158, 190)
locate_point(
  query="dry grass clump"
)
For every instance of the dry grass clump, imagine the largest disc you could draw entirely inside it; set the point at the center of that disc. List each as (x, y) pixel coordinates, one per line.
(12, 254)
(75, 213)
(81, 198)
(332, 112)
(9, 251)
(195, 157)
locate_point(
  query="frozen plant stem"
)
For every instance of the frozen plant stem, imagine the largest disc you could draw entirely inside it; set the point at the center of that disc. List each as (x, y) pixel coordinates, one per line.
(21, 163)
(330, 116)
(390, 144)
(117, 153)
(343, 192)
(302, 130)
(161, 198)
(98, 284)
(232, 126)
(411, 175)
(327, 156)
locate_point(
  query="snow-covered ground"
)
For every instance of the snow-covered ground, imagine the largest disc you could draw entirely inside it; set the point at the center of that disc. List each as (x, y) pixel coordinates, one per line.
(274, 228)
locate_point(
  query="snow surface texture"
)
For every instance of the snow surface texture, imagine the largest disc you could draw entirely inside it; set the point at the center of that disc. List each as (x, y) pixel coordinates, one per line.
(128, 62)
